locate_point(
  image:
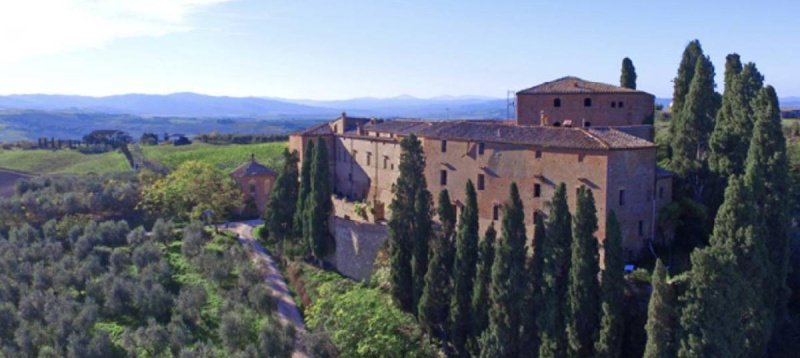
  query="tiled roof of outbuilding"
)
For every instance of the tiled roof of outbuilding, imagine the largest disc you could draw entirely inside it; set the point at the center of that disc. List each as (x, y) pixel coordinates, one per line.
(252, 168)
(496, 131)
(571, 84)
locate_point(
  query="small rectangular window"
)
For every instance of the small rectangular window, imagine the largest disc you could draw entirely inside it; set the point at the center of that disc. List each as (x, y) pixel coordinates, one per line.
(641, 228)
(496, 212)
(385, 162)
(621, 104)
(369, 158)
(481, 147)
(622, 197)
(538, 154)
(444, 146)
(443, 177)
(537, 190)
(580, 158)
(480, 182)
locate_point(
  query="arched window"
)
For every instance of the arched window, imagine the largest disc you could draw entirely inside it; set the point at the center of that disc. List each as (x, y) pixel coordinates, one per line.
(557, 102)
(587, 102)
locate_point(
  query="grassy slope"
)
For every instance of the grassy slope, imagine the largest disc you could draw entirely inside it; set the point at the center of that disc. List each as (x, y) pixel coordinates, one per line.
(62, 161)
(223, 157)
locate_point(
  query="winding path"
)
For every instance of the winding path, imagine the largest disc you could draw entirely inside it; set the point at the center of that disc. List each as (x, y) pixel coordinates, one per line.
(287, 309)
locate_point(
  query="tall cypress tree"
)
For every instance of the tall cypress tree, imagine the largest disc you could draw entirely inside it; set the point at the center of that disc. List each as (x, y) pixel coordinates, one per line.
(709, 319)
(303, 190)
(683, 80)
(612, 291)
(402, 228)
(423, 232)
(447, 221)
(551, 322)
(501, 339)
(319, 205)
(464, 272)
(529, 338)
(767, 175)
(628, 77)
(691, 129)
(279, 217)
(433, 304)
(662, 322)
(480, 292)
(583, 293)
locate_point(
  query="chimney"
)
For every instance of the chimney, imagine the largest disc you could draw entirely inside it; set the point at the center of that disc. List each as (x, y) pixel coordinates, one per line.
(344, 114)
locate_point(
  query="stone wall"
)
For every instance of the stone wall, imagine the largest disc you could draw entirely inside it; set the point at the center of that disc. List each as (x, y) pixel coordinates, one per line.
(357, 245)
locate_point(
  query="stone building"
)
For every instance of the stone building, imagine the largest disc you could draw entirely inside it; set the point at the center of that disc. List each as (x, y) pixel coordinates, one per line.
(618, 163)
(255, 181)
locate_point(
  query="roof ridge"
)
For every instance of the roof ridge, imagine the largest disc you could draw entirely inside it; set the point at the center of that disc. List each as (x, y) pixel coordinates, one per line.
(595, 137)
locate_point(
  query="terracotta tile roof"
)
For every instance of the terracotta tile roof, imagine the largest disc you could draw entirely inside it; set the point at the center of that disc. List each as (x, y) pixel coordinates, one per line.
(320, 129)
(252, 168)
(501, 131)
(571, 84)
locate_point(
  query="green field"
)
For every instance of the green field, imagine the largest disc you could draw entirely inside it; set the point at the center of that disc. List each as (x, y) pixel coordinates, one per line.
(223, 157)
(42, 161)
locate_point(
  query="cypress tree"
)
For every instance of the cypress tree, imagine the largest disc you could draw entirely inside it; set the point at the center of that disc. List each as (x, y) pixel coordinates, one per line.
(435, 298)
(422, 233)
(583, 293)
(628, 77)
(529, 338)
(279, 217)
(683, 80)
(551, 322)
(303, 190)
(319, 205)
(464, 272)
(402, 230)
(767, 175)
(691, 129)
(501, 339)
(612, 291)
(661, 324)
(447, 215)
(480, 292)
(709, 319)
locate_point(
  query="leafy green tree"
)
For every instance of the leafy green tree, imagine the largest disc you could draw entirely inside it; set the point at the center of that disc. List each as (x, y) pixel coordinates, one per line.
(191, 190)
(612, 291)
(691, 129)
(683, 80)
(767, 175)
(662, 325)
(403, 242)
(628, 77)
(583, 292)
(319, 205)
(303, 190)
(279, 217)
(464, 267)
(480, 291)
(556, 254)
(501, 338)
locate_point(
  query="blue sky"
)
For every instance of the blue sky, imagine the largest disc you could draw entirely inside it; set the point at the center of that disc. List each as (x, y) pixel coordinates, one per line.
(324, 49)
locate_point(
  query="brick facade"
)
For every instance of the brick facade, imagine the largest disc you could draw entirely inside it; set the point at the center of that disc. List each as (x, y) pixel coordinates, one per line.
(618, 167)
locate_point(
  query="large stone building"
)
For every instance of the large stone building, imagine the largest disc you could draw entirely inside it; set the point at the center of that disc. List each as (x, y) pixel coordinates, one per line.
(613, 157)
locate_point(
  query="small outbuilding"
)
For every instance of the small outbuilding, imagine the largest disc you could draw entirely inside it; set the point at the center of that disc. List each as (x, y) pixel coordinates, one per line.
(255, 181)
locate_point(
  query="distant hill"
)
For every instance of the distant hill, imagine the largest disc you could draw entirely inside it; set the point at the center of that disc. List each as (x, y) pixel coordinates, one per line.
(177, 105)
